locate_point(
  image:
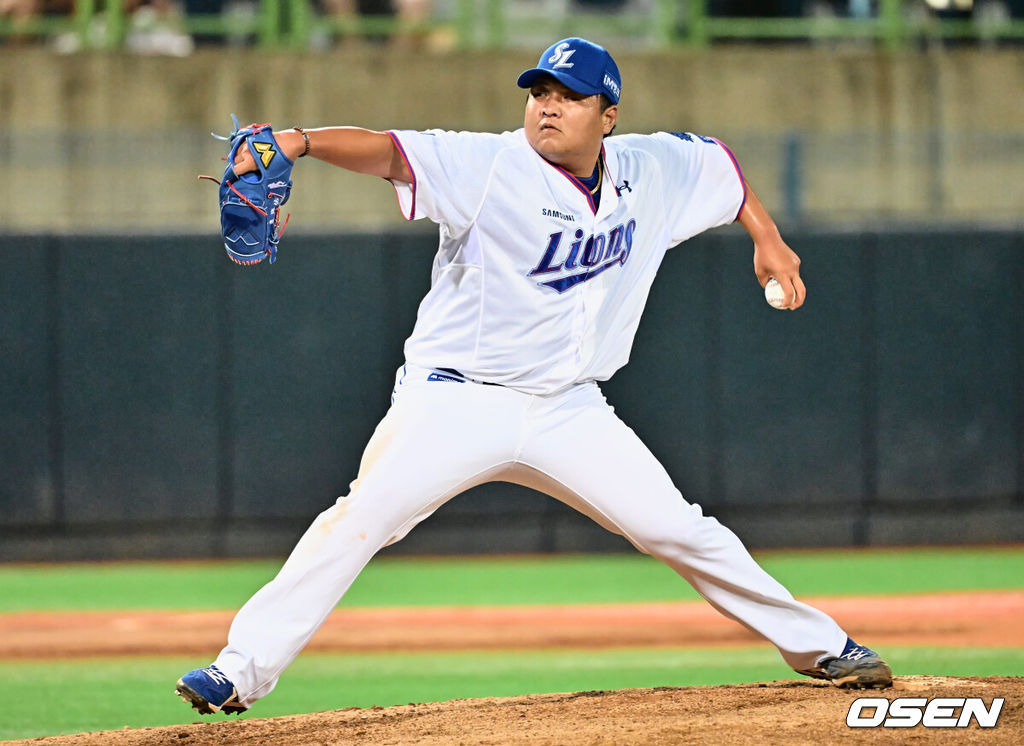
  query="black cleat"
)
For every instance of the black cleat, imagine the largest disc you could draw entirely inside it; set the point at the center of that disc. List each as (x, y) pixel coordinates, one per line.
(857, 668)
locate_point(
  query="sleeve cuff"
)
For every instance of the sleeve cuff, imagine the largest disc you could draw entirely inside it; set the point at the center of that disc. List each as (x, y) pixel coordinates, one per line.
(739, 173)
(405, 193)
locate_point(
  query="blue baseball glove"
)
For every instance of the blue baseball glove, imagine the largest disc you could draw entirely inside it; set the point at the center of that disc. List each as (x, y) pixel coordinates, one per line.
(250, 203)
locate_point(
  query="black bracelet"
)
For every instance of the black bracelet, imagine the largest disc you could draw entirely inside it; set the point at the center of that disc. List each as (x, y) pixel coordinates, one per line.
(304, 137)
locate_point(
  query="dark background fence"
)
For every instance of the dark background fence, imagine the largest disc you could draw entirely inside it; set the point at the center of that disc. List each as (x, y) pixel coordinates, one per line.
(159, 401)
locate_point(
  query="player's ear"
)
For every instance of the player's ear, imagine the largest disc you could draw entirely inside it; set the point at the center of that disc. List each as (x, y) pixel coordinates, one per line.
(609, 117)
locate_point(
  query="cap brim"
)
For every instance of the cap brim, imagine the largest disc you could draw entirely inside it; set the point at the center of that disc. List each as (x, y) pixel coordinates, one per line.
(528, 78)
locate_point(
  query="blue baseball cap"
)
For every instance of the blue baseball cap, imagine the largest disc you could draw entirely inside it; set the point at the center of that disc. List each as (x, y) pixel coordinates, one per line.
(579, 64)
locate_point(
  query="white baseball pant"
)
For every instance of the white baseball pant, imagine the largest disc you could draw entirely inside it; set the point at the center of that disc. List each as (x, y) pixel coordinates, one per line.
(441, 437)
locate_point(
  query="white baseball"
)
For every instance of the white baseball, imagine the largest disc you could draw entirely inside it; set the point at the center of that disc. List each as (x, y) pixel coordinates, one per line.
(774, 294)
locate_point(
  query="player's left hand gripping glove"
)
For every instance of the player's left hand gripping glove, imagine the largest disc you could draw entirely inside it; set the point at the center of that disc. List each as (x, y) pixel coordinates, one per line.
(250, 203)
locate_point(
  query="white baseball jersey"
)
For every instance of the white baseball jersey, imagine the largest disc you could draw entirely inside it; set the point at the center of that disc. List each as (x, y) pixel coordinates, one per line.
(532, 287)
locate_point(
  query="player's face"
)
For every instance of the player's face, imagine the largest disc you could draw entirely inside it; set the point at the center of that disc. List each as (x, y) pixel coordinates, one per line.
(566, 127)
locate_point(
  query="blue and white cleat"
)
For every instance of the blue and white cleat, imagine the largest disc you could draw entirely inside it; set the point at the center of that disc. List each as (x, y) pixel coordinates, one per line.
(857, 667)
(209, 691)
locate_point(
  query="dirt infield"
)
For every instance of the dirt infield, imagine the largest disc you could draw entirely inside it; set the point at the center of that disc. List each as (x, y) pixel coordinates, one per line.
(992, 618)
(790, 712)
(744, 715)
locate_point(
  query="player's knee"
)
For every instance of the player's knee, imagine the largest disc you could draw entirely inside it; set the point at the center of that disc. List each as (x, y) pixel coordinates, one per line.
(686, 536)
(665, 545)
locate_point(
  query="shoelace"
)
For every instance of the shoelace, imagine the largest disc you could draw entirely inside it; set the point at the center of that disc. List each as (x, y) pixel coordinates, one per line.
(856, 654)
(216, 675)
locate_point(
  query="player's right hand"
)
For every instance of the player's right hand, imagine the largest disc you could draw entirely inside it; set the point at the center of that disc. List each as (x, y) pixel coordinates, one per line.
(774, 258)
(244, 162)
(290, 142)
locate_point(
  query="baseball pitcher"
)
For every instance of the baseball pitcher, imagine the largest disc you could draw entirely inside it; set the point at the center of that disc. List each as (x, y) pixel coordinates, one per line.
(550, 238)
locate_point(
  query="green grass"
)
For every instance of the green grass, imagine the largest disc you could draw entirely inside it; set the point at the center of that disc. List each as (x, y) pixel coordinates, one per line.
(501, 581)
(108, 694)
(49, 698)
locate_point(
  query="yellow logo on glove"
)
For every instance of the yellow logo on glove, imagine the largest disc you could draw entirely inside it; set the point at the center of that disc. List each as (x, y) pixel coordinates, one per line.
(266, 151)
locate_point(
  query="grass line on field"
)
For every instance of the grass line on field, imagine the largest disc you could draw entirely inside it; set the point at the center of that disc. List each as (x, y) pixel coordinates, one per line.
(502, 581)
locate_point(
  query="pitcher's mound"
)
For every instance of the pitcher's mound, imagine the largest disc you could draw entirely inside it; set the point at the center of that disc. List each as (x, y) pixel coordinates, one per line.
(782, 712)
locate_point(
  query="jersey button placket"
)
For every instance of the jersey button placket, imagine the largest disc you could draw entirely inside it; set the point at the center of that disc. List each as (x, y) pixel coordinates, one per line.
(579, 326)
(581, 320)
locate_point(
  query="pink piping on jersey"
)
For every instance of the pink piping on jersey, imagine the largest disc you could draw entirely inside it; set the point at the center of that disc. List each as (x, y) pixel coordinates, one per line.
(401, 151)
(604, 164)
(739, 171)
(579, 184)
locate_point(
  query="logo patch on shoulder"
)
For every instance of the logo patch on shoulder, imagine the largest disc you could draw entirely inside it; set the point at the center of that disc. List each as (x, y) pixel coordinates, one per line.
(688, 136)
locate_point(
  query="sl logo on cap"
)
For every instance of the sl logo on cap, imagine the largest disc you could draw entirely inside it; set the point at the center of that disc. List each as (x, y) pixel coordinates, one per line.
(561, 55)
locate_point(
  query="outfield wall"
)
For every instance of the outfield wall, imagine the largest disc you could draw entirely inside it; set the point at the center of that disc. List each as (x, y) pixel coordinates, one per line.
(159, 401)
(93, 143)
